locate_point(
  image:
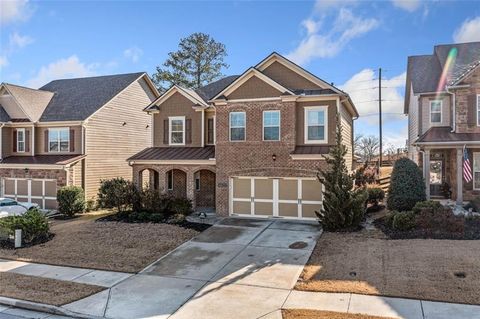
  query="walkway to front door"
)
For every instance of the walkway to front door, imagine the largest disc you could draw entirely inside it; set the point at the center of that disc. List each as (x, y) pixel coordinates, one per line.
(239, 268)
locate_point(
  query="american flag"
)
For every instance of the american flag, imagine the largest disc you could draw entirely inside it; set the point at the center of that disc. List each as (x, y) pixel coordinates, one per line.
(467, 169)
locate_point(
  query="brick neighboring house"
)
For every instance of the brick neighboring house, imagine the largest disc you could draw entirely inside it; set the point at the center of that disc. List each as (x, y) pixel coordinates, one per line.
(442, 101)
(71, 132)
(247, 145)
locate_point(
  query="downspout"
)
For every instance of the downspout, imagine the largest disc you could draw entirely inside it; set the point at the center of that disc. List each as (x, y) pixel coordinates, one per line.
(454, 124)
(84, 137)
(33, 139)
(1, 141)
(203, 128)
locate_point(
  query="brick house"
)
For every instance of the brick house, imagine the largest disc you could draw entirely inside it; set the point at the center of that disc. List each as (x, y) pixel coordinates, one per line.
(247, 145)
(442, 101)
(71, 132)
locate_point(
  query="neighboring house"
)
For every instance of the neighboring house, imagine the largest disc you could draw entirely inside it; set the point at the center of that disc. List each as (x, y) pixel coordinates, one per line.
(249, 144)
(71, 132)
(442, 101)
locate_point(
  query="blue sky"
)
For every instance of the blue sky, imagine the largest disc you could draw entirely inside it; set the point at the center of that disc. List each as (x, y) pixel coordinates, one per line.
(343, 42)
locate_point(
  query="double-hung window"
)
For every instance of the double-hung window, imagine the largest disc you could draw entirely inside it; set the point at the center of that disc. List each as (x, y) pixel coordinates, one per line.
(58, 139)
(177, 130)
(436, 111)
(316, 124)
(21, 140)
(271, 125)
(476, 170)
(237, 126)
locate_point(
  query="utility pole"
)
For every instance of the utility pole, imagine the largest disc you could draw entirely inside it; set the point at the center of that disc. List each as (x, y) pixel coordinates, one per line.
(380, 113)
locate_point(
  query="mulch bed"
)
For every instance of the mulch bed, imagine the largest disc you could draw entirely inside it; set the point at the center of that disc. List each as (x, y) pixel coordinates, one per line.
(185, 224)
(317, 314)
(471, 231)
(43, 290)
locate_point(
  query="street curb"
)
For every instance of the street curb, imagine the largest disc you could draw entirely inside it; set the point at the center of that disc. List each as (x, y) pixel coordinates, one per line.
(35, 306)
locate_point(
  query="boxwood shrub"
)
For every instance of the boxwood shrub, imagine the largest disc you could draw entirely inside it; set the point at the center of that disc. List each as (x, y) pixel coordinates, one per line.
(33, 223)
(71, 200)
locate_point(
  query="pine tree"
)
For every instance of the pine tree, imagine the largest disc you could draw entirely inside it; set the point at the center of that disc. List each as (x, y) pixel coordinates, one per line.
(343, 206)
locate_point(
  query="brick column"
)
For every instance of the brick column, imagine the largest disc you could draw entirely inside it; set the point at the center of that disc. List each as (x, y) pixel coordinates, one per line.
(426, 163)
(191, 187)
(459, 168)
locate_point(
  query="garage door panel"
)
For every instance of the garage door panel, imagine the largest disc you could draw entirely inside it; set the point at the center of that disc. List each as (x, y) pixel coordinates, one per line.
(241, 188)
(9, 186)
(50, 188)
(37, 201)
(50, 204)
(37, 188)
(265, 209)
(22, 187)
(288, 189)
(241, 207)
(308, 210)
(31, 190)
(287, 210)
(263, 189)
(311, 190)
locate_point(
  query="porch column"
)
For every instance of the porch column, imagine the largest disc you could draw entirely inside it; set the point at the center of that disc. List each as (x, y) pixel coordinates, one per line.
(459, 176)
(426, 164)
(191, 187)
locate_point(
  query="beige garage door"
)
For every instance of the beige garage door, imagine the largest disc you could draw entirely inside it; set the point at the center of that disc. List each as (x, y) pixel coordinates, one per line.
(275, 197)
(40, 191)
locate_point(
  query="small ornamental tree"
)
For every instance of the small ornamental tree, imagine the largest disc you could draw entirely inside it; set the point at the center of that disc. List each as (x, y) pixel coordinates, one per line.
(343, 206)
(407, 186)
(117, 193)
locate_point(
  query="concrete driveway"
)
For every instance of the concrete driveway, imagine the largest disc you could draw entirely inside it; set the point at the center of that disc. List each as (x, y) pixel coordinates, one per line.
(239, 268)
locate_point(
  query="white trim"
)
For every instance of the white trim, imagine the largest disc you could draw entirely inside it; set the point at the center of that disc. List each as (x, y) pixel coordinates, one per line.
(167, 162)
(32, 166)
(59, 124)
(176, 118)
(171, 91)
(473, 169)
(299, 157)
(436, 112)
(261, 99)
(32, 142)
(478, 110)
(202, 144)
(29, 195)
(307, 109)
(58, 129)
(245, 77)
(279, 125)
(230, 126)
(23, 141)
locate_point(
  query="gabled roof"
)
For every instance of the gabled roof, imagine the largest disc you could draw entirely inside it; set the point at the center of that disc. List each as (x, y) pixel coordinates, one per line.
(4, 117)
(187, 93)
(32, 102)
(208, 91)
(77, 99)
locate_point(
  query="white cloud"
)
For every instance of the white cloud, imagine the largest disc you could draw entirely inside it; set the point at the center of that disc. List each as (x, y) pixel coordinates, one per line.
(134, 53)
(19, 41)
(363, 89)
(469, 31)
(14, 10)
(70, 67)
(317, 44)
(408, 5)
(3, 61)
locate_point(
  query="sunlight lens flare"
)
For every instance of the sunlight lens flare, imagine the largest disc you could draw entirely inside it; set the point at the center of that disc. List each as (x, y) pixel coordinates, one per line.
(447, 69)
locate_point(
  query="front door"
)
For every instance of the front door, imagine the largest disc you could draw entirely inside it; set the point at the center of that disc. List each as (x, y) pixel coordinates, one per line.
(436, 177)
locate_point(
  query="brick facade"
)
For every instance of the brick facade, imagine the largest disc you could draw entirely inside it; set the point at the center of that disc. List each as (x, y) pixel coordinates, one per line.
(462, 103)
(57, 174)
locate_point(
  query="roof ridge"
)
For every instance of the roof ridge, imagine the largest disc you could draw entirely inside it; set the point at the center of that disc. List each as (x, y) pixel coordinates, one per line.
(95, 77)
(26, 87)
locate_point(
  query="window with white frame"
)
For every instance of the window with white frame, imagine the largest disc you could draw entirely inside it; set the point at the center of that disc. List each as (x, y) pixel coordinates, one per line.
(476, 170)
(271, 125)
(436, 111)
(316, 124)
(478, 109)
(177, 130)
(58, 139)
(21, 140)
(237, 126)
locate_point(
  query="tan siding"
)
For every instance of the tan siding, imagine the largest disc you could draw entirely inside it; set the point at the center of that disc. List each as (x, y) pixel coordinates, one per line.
(177, 105)
(287, 77)
(425, 114)
(254, 88)
(347, 133)
(77, 174)
(7, 141)
(109, 143)
(332, 112)
(9, 146)
(412, 126)
(40, 141)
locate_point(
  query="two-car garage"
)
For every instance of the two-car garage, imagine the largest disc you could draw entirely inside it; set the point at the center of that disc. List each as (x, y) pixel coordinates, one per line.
(40, 191)
(275, 197)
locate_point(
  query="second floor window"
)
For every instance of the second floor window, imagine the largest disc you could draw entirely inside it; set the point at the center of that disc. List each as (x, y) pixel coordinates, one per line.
(436, 111)
(476, 170)
(315, 124)
(271, 125)
(177, 130)
(58, 140)
(21, 140)
(237, 126)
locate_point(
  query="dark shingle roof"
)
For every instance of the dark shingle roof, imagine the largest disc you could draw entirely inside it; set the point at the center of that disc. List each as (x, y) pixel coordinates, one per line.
(210, 90)
(175, 153)
(444, 134)
(4, 117)
(77, 99)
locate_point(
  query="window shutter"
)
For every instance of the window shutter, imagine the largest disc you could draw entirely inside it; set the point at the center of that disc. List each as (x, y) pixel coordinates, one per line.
(210, 131)
(72, 140)
(45, 141)
(165, 132)
(14, 140)
(27, 141)
(188, 131)
(472, 110)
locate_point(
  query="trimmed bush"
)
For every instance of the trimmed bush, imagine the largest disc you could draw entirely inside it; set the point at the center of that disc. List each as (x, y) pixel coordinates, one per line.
(33, 223)
(90, 205)
(181, 206)
(375, 195)
(406, 186)
(427, 206)
(403, 221)
(71, 200)
(118, 193)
